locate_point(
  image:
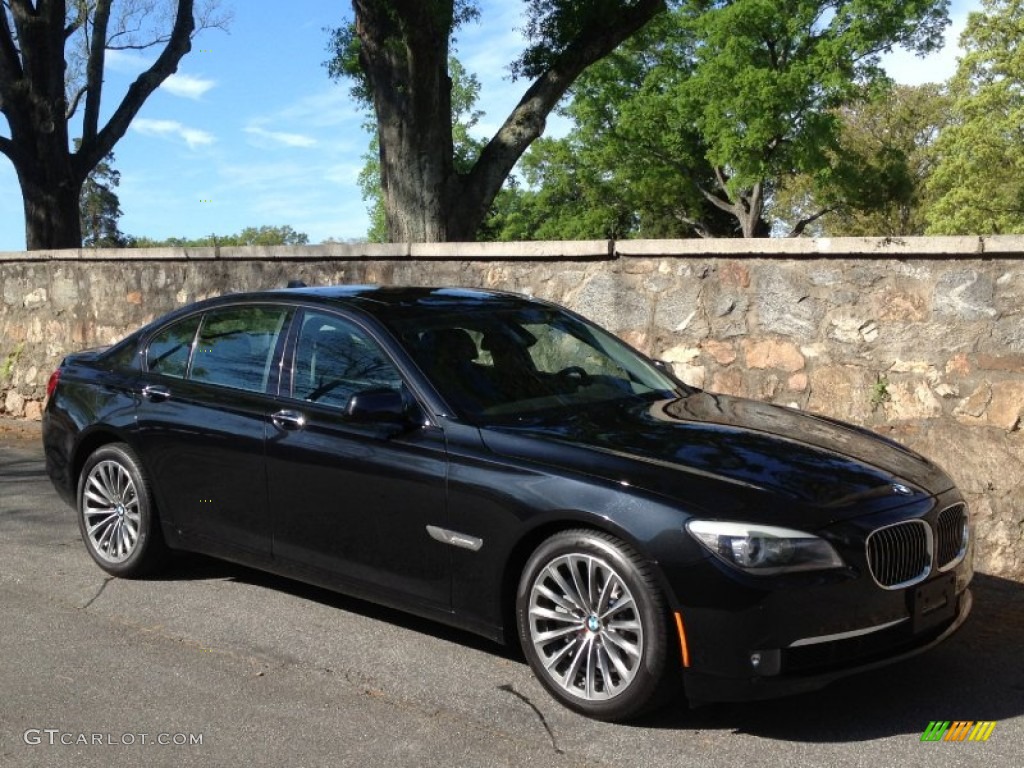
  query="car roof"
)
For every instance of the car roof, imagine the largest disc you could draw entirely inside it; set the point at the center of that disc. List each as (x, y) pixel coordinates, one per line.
(376, 299)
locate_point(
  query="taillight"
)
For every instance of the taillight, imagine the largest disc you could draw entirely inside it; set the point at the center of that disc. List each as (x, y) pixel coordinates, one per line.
(52, 383)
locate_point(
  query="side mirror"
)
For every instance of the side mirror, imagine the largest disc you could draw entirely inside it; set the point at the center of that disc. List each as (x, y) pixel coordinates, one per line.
(377, 406)
(666, 367)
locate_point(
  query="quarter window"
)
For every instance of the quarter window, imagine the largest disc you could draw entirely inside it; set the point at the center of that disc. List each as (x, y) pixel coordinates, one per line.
(334, 359)
(169, 350)
(236, 347)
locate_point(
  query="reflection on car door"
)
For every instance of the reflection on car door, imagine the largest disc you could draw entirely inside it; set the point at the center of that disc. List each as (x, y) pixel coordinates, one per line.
(202, 423)
(351, 501)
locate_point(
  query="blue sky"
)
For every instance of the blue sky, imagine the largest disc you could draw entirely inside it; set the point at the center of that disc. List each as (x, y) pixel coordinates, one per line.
(252, 132)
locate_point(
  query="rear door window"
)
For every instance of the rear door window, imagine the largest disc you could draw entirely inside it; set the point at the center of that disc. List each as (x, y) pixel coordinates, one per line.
(236, 346)
(168, 352)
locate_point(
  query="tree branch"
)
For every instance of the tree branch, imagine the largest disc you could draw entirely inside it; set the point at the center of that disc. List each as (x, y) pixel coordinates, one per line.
(528, 119)
(180, 43)
(800, 226)
(10, 63)
(94, 71)
(13, 152)
(73, 106)
(722, 205)
(83, 15)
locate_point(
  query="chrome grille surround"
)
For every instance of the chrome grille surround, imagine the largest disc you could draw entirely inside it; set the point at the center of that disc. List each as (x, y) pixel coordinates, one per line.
(952, 536)
(900, 555)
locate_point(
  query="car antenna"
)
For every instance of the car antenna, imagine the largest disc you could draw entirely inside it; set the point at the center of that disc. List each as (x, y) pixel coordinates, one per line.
(296, 284)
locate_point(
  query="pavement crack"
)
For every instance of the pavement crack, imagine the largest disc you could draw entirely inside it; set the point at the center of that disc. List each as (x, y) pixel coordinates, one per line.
(508, 688)
(99, 592)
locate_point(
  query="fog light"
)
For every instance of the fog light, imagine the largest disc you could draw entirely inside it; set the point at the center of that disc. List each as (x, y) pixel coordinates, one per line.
(766, 662)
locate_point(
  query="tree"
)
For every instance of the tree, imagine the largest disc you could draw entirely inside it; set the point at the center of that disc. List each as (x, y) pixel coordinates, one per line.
(625, 169)
(877, 184)
(768, 77)
(739, 95)
(265, 235)
(52, 60)
(100, 207)
(398, 51)
(978, 183)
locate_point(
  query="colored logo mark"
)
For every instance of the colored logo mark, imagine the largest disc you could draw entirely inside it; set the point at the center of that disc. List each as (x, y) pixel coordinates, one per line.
(958, 730)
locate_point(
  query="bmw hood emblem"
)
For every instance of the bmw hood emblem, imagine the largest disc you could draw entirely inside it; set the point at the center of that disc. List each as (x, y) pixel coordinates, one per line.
(901, 489)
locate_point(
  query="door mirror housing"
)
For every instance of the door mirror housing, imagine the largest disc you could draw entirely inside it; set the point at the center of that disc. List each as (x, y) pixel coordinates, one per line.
(377, 406)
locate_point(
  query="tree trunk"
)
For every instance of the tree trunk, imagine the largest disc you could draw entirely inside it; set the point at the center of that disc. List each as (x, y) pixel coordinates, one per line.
(747, 207)
(404, 55)
(32, 99)
(51, 213)
(749, 211)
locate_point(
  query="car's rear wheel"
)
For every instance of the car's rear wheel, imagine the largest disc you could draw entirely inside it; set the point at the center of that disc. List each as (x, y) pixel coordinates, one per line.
(593, 625)
(116, 514)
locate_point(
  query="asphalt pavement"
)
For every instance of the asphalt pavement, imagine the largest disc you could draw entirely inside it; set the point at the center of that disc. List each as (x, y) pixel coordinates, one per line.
(213, 664)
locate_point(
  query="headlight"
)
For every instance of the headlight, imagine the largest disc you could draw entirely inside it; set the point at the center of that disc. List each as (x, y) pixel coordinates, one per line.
(764, 549)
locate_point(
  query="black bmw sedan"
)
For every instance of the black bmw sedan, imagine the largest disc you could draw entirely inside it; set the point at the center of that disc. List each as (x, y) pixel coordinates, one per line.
(501, 464)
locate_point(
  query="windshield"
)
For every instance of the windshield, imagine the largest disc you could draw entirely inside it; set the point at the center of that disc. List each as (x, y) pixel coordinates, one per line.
(500, 363)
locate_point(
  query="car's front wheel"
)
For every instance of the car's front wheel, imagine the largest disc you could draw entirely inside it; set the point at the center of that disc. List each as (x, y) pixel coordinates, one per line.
(593, 625)
(116, 514)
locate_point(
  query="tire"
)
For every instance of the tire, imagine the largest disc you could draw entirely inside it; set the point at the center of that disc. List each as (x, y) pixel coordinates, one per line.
(594, 627)
(116, 514)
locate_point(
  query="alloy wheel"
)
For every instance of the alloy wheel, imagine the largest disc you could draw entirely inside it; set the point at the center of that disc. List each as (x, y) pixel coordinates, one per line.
(585, 626)
(110, 509)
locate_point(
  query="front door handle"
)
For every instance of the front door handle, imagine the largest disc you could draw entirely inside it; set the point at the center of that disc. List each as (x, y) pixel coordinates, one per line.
(289, 420)
(156, 393)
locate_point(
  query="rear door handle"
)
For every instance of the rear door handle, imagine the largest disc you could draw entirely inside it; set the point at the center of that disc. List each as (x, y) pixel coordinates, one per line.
(289, 420)
(156, 393)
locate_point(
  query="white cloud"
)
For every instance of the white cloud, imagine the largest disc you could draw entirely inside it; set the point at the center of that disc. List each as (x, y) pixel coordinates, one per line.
(280, 137)
(171, 128)
(127, 61)
(330, 107)
(187, 86)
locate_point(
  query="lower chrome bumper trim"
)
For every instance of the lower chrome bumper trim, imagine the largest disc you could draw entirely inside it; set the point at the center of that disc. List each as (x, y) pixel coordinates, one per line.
(845, 635)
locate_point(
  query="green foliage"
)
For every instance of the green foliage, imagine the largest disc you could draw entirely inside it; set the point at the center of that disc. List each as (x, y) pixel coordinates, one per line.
(564, 198)
(880, 394)
(10, 361)
(100, 207)
(554, 25)
(699, 122)
(626, 169)
(265, 235)
(876, 184)
(979, 180)
(768, 77)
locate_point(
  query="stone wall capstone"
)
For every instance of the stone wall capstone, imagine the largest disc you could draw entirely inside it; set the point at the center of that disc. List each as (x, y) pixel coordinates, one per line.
(920, 339)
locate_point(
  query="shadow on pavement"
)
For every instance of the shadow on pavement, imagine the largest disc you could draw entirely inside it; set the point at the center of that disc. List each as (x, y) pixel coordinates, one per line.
(194, 567)
(975, 675)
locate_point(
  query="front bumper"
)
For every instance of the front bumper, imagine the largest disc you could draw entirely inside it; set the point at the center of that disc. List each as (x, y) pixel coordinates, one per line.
(753, 637)
(779, 670)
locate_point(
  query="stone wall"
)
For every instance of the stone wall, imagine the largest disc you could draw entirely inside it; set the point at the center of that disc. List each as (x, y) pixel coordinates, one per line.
(919, 339)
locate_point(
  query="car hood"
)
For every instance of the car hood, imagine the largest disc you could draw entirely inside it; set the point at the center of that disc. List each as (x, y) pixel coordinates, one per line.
(731, 457)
